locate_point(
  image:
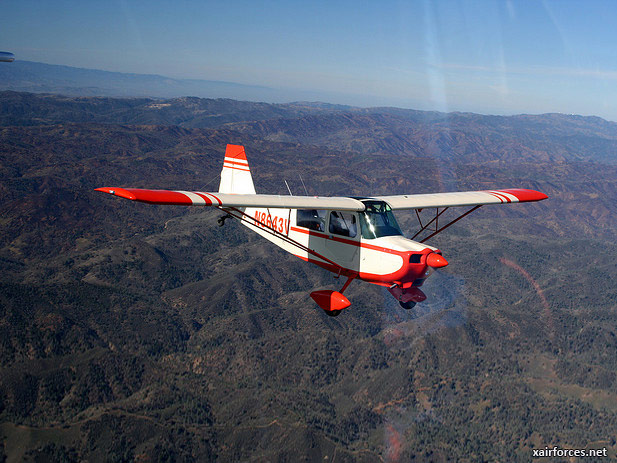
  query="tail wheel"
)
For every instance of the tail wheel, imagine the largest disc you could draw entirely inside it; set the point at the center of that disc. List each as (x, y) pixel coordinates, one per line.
(332, 313)
(407, 305)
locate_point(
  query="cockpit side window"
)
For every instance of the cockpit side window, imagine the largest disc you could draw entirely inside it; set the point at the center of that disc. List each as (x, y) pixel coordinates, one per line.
(313, 219)
(343, 223)
(378, 220)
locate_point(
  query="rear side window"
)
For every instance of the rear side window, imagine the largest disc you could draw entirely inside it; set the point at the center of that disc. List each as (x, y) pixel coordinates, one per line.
(343, 223)
(313, 219)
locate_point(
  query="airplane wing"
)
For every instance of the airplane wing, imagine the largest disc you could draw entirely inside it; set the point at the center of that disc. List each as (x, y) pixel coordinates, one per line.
(416, 201)
(463, 198)
(198, 198)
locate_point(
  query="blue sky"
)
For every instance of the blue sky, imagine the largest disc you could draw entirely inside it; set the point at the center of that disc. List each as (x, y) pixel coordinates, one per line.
(498, 57)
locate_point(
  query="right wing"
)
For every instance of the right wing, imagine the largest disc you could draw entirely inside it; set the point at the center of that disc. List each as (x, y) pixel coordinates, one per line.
(462, 198)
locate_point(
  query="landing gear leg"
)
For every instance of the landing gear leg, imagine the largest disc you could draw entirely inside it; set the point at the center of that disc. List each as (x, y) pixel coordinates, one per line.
(332, 302)
(349, 280)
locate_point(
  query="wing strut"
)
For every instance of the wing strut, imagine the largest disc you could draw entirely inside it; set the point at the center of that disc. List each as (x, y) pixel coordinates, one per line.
(436, 220)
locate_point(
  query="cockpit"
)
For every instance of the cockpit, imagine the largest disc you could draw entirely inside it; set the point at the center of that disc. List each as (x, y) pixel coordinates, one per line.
(378, 220)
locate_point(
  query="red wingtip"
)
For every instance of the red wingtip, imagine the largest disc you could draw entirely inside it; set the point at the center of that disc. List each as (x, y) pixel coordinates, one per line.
(235, 151)
(525, 195)
(118, 192)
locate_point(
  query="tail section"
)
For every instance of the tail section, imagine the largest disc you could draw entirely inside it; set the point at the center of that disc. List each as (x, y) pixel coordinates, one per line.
(236, 174)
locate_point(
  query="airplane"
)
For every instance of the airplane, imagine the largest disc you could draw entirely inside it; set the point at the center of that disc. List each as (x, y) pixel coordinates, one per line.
(6, 57)
(354, 237)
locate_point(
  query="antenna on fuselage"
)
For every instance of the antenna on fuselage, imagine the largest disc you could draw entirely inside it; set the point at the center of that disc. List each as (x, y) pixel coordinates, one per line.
(306, 192)
(288, 189)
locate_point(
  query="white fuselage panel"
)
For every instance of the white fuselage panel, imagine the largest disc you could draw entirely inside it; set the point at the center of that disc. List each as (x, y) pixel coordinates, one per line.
(379, 256)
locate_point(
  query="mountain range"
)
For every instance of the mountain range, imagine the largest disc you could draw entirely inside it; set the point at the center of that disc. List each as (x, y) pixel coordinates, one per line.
(136, 332)
(31, 76)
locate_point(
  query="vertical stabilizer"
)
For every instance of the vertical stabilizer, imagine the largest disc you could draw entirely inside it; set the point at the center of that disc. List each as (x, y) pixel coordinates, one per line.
(236, 174)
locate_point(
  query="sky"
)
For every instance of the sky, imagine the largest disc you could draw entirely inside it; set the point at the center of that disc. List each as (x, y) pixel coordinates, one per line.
(490, 57)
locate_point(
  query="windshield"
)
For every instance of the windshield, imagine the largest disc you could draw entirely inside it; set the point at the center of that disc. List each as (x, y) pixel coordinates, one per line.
(378, 220)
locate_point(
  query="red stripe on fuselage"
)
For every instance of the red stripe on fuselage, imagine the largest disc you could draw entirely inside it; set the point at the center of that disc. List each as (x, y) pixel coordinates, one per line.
(407, 273)
(347, 241)
(400, 276)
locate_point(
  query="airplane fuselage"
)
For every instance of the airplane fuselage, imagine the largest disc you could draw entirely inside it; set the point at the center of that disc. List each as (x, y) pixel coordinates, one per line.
(342, 243)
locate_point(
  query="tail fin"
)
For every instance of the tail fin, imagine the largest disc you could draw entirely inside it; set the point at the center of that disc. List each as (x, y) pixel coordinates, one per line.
(236, 174)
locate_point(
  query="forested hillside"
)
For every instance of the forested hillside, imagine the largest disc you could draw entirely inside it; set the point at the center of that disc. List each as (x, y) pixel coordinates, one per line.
(137, 332)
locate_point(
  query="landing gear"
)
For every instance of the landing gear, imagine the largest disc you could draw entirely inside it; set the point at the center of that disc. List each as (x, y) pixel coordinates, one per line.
(332, 302)
(221, 220)
(407, 297)
(407, 305)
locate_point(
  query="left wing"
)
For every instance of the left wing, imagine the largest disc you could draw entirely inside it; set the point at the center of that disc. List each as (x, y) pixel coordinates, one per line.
(463, 198)
(199, 198)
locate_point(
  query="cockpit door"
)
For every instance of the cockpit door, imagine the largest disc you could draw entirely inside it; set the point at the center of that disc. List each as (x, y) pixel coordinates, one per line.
(343, 243)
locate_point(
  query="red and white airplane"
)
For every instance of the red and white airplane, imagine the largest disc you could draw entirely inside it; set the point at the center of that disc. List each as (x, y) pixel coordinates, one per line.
(356, 237)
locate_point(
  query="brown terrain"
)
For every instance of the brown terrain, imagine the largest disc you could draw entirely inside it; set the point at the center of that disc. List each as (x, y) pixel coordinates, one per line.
(131, 332)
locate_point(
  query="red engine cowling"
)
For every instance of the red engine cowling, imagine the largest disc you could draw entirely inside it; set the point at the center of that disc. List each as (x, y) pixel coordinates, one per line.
(330, 301)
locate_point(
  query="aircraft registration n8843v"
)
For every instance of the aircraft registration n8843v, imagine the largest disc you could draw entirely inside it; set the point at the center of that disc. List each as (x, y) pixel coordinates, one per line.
(356, 237)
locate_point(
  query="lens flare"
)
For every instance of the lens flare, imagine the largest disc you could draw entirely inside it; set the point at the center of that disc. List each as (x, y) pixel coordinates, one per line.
(548, 317)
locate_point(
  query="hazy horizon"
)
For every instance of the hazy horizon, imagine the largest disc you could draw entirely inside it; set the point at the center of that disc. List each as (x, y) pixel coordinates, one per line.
(498, 58)
(275, 95)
